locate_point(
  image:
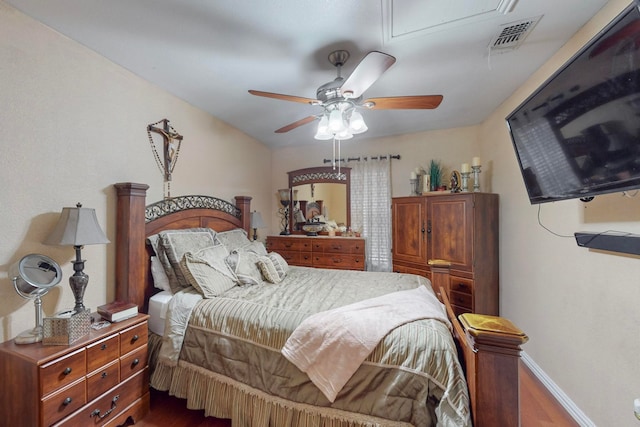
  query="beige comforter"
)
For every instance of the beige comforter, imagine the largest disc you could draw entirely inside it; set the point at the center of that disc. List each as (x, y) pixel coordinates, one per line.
(412, 377)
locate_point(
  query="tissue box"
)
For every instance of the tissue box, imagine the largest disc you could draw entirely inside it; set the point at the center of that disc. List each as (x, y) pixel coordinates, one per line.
(66, 327)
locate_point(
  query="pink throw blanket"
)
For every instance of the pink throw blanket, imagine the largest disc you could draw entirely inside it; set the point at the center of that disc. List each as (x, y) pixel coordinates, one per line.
(330, 346)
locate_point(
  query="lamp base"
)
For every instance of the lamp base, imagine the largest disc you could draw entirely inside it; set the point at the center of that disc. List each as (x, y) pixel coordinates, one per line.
(29, 337)
(78, 283)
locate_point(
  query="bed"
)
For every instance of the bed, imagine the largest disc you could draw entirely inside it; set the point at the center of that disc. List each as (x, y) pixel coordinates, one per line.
(235, 367)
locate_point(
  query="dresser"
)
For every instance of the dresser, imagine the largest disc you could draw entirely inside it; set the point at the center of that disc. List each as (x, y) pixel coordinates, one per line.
(452, 239)
(101, 379)
(342, 253)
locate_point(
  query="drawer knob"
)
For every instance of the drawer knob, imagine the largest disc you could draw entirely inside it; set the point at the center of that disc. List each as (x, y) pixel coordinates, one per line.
(135, 338)
(103, 347)
(67, 371)
(96, 412)
(104, 375)
(135, 362)
(67, 401)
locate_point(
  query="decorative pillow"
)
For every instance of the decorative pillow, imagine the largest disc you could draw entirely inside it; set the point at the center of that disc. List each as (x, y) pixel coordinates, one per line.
(257, 247)
(233, 239)
(207, 271)
(273, 267)
(160, 278)
(174, 244)
(244, 265)
(154, 241)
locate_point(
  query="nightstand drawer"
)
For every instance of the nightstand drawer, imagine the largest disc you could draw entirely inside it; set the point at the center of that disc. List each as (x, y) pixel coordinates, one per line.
(62, 372)
(102, 352)
(102, 380)
(110, 405)
(62, 403)
(134, 337)
(133, 362)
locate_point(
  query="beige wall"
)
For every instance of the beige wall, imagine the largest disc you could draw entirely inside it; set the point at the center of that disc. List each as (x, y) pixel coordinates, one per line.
(72, 124)
(579, 307)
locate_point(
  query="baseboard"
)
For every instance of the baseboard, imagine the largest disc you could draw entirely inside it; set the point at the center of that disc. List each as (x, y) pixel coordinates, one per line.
(560, 395)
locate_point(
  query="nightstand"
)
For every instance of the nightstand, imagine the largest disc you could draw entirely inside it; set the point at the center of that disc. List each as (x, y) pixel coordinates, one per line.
(101, 379)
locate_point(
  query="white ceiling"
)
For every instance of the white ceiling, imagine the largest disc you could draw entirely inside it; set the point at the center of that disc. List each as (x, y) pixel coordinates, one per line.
(211, 52)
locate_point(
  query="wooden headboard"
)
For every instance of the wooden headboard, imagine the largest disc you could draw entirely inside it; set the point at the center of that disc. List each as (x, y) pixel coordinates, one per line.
(136, 221)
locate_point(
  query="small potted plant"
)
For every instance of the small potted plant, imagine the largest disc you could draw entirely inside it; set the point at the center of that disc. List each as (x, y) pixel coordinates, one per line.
(435, 175)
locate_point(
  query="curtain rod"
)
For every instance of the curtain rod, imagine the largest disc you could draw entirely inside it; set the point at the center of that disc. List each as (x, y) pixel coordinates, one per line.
(357, 159)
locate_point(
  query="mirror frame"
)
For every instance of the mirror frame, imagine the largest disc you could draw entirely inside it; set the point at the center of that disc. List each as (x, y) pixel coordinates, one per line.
(322, 174)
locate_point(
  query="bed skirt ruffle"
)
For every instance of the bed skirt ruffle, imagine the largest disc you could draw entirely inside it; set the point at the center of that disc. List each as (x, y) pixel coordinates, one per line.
(222, 397)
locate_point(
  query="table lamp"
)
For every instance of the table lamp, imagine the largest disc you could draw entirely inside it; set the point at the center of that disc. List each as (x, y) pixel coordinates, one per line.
(256, 222)
(78, 227)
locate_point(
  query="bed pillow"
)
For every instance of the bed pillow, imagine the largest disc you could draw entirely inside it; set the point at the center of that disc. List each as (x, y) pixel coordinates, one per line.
(257, 247)
(234, 239)
(173, 244)
(160, 278)
(207, 271)
(273, 267)
(244, 265)
(161, 256)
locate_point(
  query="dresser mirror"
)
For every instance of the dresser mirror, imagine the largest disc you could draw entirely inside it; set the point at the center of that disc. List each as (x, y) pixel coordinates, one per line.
(321, 191)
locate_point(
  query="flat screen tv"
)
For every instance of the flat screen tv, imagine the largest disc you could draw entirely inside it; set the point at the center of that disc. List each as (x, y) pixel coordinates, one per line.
(578, 135)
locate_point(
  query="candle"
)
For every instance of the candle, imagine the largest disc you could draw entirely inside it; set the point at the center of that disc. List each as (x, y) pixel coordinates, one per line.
(413, 175)
(465, 168)
(475, 161)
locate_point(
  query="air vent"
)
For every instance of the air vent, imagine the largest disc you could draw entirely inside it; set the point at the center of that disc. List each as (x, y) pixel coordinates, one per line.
(512, 35)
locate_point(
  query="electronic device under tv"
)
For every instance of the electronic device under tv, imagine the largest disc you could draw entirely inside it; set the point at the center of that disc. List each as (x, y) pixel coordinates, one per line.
(578, 135)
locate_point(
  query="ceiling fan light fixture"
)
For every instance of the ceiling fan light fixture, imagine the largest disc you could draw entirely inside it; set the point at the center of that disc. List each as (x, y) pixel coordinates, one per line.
(357, 124)
(345, 134)
(336, 121)
(323, 133)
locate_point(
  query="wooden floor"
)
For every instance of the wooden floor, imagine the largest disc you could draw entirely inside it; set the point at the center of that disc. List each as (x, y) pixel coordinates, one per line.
(538, 409)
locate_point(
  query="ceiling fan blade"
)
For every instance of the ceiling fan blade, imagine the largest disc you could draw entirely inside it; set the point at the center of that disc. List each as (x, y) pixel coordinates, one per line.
(284, 97)
(366, 73)
(299, 123)
(418, 102)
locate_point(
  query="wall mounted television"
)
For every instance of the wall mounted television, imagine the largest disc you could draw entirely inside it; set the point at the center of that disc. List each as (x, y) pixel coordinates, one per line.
(578, 135)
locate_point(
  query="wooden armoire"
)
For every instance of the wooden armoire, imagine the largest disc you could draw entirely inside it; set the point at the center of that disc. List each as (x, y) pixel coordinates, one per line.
(452, 239)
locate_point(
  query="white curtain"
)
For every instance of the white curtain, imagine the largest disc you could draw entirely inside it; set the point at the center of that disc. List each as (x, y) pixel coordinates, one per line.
(371, 210)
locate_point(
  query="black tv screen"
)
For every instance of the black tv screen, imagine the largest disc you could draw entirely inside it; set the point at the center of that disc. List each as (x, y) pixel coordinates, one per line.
(578, 135)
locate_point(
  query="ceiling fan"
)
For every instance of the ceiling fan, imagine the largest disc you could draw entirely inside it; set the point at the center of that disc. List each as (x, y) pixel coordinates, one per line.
(341, 98)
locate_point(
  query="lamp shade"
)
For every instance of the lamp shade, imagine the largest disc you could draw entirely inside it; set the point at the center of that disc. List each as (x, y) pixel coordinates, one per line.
(256, 220)
(283, 193)
(78, 227)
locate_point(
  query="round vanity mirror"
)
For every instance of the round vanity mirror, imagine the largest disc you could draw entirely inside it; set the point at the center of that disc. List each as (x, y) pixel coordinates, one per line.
(33, 276)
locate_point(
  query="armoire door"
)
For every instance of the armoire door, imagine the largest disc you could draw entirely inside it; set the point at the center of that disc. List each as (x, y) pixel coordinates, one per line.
(409, 219)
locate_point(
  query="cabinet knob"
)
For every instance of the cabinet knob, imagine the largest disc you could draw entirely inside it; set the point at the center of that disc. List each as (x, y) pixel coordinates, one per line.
(104, 375)
(67, 401)
(103, 347)
(135, 338)
(67, 371)
(135, 362)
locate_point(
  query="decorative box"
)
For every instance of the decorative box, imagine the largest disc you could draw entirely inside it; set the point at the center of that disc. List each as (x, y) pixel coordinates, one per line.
(66, 327)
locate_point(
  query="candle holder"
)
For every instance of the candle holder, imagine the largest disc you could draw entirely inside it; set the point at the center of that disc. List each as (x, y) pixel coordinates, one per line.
(465, 181)
(414, 187)
(476, 178)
